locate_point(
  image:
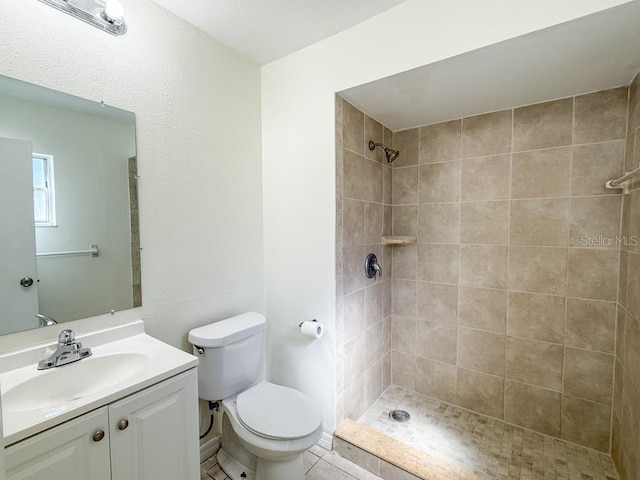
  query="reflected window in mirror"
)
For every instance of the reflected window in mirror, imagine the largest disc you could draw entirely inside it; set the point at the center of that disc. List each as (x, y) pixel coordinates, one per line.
(44, 191)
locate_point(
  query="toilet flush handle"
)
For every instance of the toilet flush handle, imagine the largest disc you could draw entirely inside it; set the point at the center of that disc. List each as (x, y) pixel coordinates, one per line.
(200, 350)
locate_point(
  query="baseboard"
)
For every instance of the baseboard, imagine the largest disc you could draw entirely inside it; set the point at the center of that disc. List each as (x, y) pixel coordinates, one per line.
(209, 447)
(326, 441)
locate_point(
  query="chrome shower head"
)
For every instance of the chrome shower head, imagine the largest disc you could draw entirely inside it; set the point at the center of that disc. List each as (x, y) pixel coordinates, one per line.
(390, 153)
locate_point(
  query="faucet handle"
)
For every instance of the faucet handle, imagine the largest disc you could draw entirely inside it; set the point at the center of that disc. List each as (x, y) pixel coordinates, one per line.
(66, 337)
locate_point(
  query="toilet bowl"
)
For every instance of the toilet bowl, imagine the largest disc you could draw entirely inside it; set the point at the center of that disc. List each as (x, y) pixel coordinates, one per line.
(265, 427)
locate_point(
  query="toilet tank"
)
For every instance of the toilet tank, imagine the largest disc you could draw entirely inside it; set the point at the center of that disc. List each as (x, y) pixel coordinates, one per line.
(231, 354)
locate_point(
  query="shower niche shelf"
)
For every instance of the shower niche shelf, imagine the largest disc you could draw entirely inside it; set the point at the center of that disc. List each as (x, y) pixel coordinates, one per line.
(399, 240)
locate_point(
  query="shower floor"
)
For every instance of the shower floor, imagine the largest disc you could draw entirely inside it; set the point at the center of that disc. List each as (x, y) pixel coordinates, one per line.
(486, 446)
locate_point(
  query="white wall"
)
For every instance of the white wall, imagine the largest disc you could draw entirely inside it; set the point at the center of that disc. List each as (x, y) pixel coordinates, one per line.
(299, 154)
(197, 105)
(92, 205)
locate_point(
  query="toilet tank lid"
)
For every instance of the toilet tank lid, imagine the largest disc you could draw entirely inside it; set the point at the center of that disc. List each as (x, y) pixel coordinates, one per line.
(229, 330)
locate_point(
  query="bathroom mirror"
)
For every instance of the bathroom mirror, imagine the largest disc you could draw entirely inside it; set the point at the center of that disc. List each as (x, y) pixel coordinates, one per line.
(69, 235)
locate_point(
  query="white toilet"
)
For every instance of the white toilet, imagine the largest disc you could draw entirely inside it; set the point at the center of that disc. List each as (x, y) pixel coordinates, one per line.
(265, 427)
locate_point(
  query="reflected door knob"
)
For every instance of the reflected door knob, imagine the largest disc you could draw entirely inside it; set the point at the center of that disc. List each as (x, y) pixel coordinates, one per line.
(123, 424)
(26, 282)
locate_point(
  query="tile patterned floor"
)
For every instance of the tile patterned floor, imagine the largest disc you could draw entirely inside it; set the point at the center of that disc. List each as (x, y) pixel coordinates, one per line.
(485, 446)
(319, 465)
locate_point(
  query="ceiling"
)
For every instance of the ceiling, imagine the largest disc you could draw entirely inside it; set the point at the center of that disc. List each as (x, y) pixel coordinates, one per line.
(265, 30)
(592, 53)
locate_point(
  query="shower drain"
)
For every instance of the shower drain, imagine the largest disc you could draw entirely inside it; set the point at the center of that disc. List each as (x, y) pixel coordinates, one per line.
(399, 416)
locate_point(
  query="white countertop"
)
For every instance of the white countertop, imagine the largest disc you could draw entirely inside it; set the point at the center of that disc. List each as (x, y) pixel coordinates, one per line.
(165, 361)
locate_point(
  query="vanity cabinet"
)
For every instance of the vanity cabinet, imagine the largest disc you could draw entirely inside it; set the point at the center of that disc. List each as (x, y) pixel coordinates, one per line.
(149, 435)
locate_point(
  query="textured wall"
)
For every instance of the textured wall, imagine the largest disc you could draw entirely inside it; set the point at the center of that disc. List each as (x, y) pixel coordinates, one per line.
(364, 305)
(507, 305)
(197, 106)
(626, 398)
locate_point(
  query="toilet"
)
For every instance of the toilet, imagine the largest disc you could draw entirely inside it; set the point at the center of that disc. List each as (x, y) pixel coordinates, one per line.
(265, 427)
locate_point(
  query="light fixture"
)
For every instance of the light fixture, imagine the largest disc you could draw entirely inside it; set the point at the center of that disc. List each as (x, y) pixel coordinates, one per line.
(107, 15)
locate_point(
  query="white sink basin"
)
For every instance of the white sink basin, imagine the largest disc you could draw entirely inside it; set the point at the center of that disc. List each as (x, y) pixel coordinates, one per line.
(61, 385)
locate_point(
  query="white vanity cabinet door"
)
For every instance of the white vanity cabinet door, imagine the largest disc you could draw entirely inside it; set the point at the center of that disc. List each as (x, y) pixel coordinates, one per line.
(66, 451)
(154, 433)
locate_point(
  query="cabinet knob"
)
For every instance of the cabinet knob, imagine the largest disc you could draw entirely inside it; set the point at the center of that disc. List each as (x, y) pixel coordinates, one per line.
(99, 435)
(123, 424)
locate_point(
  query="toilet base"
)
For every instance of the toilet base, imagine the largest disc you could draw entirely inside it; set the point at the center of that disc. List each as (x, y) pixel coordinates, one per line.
(234, 469)
(291, 469)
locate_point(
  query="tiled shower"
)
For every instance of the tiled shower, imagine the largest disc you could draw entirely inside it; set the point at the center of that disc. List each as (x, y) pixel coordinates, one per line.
(521, 298)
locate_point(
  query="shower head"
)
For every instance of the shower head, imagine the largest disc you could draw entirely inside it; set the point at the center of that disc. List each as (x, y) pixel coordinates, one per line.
(390, 153)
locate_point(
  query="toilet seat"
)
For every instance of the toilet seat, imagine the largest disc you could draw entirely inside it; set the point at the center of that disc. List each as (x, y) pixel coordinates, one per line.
(277, 412)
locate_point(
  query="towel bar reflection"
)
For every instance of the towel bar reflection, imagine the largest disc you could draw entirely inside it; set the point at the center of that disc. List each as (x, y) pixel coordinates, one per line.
(93, 251)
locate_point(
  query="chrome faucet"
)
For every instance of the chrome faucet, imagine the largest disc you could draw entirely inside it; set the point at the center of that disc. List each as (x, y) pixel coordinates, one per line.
(45, 321)
(68, 351)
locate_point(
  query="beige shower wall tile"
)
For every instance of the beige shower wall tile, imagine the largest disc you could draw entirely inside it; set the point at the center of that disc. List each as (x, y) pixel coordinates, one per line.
(592, 273)
(404, 297)
(483, 309)
(372, 384)
(437, 341)
(483, 266)
(484, 222)
(593, 434)
(354, 360)
(534, 363)
(486, 134)
(436, 379)
(618, 383)
(373, 304)
(403, 334)
(601, 116)
(438, 302)
(405, 185)
(405, 262)
(438, 263)
(632, 350)
(403, 370)
(405, 220)
(387, 185)
(481, 351)
(620, 334)
(439, 223)
(543, 125)
(353, 133)
(440, 182)
(407, 143)
(440, 142)
(353, 314)
(588, 375)
(540, 221)
(633, 119)
(537, 317)
(538, 269)
(354, 176)
(541, 173)
(373, 130)
(353, 271)
(486, 178)
(372, 223)
(532, 407)
(374, 188)
(594, 164)
(480, 392)
(353, 223)
(629, 151)
(373, 346)
(591, 324)
(595, 221)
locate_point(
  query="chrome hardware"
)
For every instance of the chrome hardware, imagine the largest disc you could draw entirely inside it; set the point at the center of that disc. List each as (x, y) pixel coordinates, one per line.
(68, 351)
(371, 266)
(123, 424)
(45, 321)
(99, 435)
(200, 350)
(26, 282)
